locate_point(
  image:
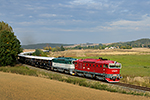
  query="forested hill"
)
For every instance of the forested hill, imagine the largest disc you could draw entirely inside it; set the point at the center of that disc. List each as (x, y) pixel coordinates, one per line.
(41, 45)
(138, 43)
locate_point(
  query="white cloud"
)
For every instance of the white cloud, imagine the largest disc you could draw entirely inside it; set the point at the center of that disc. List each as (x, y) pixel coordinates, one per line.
(134, 25)
(34, 8)
(25, 23)
(123, 25)
(95, 4)
(30, 16)
(59, 29)
(20, 15)
(82, 2)
(47, 15)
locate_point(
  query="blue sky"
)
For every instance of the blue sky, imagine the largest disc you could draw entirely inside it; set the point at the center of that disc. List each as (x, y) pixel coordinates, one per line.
(77, 21)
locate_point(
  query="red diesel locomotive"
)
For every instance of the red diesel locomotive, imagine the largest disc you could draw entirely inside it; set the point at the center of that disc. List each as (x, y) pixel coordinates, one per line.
(102, 69)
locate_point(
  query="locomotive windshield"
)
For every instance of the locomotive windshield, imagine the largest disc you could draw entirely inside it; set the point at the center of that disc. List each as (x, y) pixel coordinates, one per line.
(114, 66)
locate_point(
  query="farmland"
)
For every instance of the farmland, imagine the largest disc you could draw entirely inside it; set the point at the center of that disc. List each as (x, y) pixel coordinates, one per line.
(19, 87)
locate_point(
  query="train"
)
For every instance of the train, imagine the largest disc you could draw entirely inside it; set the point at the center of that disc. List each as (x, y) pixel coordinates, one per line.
(101, 69)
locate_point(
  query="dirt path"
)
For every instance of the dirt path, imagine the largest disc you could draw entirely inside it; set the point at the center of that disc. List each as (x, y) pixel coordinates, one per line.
(19, 87)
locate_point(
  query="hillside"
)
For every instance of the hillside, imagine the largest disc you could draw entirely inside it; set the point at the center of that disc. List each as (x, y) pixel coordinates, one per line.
(145, 42)
(140, 42)
(41, 45)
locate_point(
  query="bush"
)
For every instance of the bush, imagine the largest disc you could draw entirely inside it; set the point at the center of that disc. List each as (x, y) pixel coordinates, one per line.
(39, 52)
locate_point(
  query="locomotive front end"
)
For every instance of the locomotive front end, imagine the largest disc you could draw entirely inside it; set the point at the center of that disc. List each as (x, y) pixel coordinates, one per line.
(113, 72)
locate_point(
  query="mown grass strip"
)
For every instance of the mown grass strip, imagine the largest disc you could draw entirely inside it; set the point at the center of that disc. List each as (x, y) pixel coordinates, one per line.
(73, 80)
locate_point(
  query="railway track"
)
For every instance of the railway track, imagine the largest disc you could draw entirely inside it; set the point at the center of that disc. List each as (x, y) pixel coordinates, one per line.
(123, 85)
(133, 86)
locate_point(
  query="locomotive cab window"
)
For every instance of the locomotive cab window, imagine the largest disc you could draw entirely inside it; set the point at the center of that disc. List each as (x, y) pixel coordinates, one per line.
(105, 66)
(114, 66)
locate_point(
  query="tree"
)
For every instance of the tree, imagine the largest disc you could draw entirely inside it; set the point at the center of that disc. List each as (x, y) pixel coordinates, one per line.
(78, 47)
(47, 48)
(39, 52)
(54, 49)
(9, 48)
(5, 27)
(57, 48)
(62, 48)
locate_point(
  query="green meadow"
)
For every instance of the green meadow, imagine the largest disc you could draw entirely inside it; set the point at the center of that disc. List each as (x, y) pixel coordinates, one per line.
(133, 65)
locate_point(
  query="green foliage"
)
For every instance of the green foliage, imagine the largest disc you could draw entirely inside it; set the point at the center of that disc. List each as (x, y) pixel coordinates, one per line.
(47, 48)
(39, 52)
(125, 47)
(100, 46)
(54, 49)
(9, 48)
(78, 47)
(58, 48)
(5, 27)
(137, 43)
(19, 70)
(62, 48)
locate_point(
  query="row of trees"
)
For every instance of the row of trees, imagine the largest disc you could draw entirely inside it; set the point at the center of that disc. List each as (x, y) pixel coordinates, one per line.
(54, 49)
(100, 46)
(137, 43)
(9, 45)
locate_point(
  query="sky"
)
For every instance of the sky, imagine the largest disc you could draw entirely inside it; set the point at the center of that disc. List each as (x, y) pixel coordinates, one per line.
(77, 21)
